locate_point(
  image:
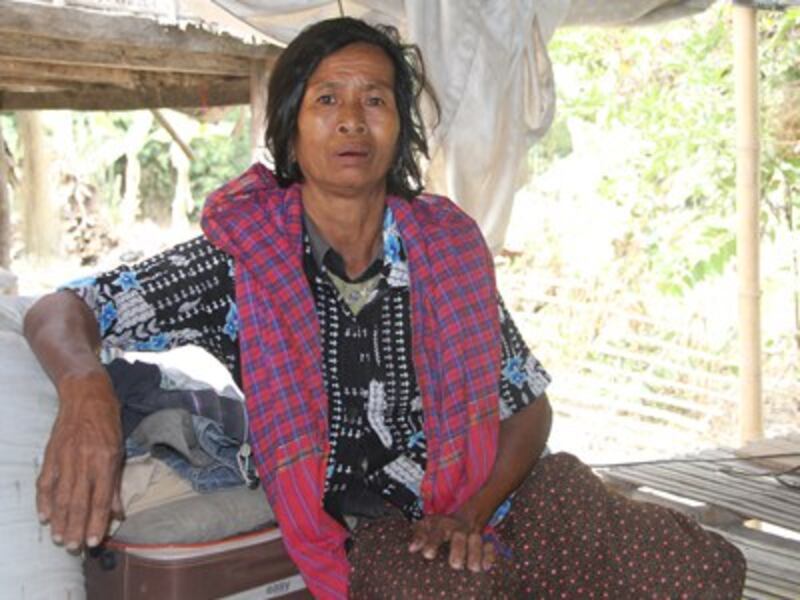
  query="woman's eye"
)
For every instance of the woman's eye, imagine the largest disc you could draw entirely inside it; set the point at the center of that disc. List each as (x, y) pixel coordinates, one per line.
(326, 99)
(375, 101)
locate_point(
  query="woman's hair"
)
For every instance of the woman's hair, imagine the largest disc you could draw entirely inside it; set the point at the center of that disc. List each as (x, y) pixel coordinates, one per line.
(299, 60)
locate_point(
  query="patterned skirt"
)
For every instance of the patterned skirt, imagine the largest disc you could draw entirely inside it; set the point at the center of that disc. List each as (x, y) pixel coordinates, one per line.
(566, 536)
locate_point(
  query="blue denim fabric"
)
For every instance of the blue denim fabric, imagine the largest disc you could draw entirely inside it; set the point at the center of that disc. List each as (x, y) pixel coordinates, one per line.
(212, 464)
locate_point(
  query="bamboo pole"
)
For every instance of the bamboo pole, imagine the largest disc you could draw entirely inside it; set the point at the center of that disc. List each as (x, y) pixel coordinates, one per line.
(747, 200)
(164, 122)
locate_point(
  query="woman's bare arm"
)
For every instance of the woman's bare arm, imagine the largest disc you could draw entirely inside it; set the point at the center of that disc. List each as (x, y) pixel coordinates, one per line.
(520, 444)
(79, 482)
(521, 441)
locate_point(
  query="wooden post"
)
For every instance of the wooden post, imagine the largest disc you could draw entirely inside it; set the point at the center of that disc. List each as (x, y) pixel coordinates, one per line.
(41, 224)
(747, 200)
(5, 208)
(259, 76)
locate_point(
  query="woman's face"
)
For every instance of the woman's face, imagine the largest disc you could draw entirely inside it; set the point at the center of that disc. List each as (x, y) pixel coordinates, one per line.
(348, 125)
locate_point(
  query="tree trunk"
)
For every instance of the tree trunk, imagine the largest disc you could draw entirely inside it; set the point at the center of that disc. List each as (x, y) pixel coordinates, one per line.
(5, 208)
(41, 223)
(182, 200)
(133, 143)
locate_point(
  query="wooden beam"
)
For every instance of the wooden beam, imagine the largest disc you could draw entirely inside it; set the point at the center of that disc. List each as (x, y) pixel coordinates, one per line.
(93, 97)
(25, 47)
(49, 72)
(63, 23)
(31, 85)
(50, 76)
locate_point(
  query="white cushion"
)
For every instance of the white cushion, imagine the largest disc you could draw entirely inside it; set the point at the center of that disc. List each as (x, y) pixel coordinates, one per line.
(31, 566)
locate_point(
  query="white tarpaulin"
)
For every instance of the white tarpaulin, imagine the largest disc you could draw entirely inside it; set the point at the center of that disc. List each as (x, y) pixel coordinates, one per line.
(487, 61)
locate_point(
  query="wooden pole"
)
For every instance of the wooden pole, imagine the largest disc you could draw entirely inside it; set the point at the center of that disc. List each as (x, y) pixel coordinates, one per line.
(162, 120)
(259, 76)
(747, 200)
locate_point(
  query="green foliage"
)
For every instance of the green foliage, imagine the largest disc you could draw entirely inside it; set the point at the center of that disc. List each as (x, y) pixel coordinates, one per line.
(218, 158)
(157, 184)
(673, 85)
(780, 83)
(8, 126)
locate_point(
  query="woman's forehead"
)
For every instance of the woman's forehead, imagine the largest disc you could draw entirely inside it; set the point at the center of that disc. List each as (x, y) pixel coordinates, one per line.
(364, 63)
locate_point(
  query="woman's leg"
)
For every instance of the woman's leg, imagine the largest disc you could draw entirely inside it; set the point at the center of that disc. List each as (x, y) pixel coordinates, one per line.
(569, 536)
(383, 568)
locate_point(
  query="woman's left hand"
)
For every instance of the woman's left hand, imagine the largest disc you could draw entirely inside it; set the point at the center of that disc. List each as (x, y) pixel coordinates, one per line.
(467, 547)
(522, 437)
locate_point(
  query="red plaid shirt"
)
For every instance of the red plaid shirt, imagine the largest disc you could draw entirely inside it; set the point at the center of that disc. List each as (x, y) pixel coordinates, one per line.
(456, 352)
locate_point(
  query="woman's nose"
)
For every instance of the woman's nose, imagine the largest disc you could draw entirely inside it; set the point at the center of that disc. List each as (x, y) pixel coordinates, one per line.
(351, 120)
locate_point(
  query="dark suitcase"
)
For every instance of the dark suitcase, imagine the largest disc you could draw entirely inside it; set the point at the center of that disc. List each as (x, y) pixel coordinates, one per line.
(245, 567)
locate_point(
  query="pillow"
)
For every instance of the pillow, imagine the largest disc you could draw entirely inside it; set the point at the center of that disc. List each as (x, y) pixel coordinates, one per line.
(199, 518)
(31, 565)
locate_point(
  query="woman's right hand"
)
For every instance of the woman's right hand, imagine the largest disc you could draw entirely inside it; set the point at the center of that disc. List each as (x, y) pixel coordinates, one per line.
(78, 486)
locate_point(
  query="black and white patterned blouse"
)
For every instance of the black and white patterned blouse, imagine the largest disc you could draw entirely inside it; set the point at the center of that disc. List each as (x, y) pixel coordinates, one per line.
(186, 295)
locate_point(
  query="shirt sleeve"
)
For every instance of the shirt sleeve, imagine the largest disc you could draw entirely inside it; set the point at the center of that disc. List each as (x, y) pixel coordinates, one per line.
(522, 377)
(185, 295)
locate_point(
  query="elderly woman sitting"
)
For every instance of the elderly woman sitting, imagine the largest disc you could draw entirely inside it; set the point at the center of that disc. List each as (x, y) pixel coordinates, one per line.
(396, 414)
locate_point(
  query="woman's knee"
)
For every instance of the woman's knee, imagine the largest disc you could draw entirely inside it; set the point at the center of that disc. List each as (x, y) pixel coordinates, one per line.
(382, 567)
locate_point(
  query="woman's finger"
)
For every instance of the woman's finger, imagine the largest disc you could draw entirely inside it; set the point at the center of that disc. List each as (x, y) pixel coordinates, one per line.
(60, 499)
(488, 556)
(77, 514)
(45, 485)
(474, 552)
(419, 535)
(435, 539)
(458, 549)
(100, 510)
(105, 473)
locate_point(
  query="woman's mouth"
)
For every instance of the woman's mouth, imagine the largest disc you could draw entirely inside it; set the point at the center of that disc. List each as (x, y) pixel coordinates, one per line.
(351, 160)
(353, 152)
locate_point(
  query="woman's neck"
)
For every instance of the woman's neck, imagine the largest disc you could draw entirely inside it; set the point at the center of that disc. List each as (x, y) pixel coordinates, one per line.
(352, 225)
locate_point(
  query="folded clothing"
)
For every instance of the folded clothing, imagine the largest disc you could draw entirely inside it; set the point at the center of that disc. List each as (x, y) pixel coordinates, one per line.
(195, 447)
(188, 475)
(143, 389)
(149, 483)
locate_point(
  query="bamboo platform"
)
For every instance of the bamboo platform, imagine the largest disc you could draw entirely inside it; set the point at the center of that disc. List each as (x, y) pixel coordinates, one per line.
(742, 500)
